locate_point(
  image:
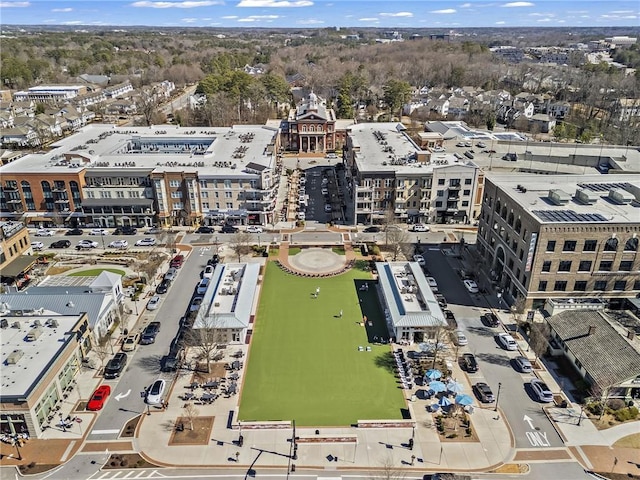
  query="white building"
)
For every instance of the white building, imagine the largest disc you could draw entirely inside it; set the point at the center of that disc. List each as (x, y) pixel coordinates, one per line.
(50, 93)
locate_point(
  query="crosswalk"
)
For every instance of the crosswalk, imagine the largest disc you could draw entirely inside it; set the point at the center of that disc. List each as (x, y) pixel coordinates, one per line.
(126, 474)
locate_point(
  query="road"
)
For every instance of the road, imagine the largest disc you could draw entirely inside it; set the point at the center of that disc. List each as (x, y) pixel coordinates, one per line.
(531, 428)
(179, 102)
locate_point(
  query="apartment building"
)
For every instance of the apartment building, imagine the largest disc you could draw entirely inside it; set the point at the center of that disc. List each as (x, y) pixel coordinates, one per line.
(50, 93)
(388, 172)
(14, 241)
(561, 236)
(109, 176)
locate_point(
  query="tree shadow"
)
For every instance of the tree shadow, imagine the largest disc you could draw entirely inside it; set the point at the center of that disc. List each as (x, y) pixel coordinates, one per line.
(386, 361)
(150, 363)
(494, 358)
(482, 331)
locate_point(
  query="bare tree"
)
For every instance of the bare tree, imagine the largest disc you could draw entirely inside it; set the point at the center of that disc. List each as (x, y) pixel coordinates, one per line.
(241, 243)
(206, 335)
(388, 471)
(397, 241)
(102, 351)
(539, 337)
(147, 105)
(191, 413)
(440, 336)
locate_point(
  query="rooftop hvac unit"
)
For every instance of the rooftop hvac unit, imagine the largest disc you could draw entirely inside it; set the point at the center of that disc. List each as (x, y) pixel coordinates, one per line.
(621, 197)
(14, 357)
(586, 197)
(52, 322)
(34, 334)
(4, 323)
(37, 323)
(558, 197)
(16, 325)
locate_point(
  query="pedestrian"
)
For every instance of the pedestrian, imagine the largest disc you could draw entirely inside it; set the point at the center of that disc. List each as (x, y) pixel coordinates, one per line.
(317, 291)
(340, 313)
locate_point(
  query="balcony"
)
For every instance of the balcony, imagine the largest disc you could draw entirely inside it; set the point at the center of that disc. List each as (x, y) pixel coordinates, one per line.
(10, 187)
(455, 186)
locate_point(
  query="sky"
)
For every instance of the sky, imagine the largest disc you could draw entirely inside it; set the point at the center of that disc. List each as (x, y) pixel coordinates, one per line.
(322, 13)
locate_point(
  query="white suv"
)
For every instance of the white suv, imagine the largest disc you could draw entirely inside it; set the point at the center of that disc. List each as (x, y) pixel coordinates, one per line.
(507, 341)
(420, 227)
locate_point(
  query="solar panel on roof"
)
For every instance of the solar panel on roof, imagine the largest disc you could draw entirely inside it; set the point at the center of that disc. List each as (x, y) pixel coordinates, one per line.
(567, 216)
(604, 187)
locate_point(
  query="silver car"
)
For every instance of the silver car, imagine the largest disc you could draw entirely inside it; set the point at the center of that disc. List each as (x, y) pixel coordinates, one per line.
(523, 364)
(154, 302)
(541, 391)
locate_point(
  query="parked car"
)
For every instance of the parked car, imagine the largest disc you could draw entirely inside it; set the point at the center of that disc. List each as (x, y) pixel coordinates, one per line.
(205, 229)
(469, 154)
(149, 333)
(60, 244)
(441, 300)
(119, 244)
(523, 364)
(419, 259)
(471, 286)
(74, 231)
(171, 274)
(37, 246)
(99, 231)
(420, 227)
(214, 260)
(491, 319)
(254, 229)
(451, 318)
(146, 242)
(432, 283)
(461, 338)
(45, 232)
(469, 363)
(541, 391)
(163, 286)
(229, 229)
(372, 229)
(302, 216)
(483, 392)
(155, 392)
(207, 272)
(481, 145)
(331, 155)
(125, 230)
(115, 365)
(86, 244)
(131, 342)
(154, 231)
(201, 289)
(324, 191)
(195, 304)
(460, 144)
(153, 303)
(327, 208)
(506, 341)
(99, 398)
(177, 261)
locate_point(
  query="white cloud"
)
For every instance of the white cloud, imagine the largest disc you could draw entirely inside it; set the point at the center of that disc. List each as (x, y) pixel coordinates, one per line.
(189, 20)
(368, 19)
(549, 15)
(544, 20)
(229, 17)
(264, 17)
(14, 4)
(465, 5)
(518, 4)
(621, 11)
(310, 21)
(397, 14)
(246, 20)
(74, 22)
(501, 22)
(444, 11)
(186, 4)
(62, 9)
(274, 3)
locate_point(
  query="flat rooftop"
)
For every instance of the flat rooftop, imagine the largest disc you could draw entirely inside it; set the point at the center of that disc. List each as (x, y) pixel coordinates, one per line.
(219, 151)
(531, 192)
(37, 351)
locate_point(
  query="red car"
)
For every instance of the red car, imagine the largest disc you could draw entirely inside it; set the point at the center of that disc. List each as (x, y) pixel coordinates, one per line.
(99, 397)
(177, 261)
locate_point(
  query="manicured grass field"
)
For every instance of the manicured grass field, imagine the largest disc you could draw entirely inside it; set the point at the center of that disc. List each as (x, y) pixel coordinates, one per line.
(94, 272)
(304, 363)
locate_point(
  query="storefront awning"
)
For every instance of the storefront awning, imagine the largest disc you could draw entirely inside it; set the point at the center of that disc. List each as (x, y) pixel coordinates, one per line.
(19, 265)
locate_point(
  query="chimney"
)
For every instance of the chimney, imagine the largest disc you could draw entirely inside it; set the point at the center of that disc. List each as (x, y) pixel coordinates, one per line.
(631, 334)
(592, 329)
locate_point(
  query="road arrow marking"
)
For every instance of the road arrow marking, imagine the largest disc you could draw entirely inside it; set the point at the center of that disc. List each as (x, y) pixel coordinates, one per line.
(122, 395)
(527, 419)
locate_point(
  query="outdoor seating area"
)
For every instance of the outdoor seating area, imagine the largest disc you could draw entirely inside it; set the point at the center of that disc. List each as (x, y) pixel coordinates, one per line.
(404, 369)
(13, 439)
(348, 266)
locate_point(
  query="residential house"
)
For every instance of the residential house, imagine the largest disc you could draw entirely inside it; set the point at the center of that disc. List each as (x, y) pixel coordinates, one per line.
(542, 122)
(440, 106)
(559, 110)
(118, 90)
(458, 107)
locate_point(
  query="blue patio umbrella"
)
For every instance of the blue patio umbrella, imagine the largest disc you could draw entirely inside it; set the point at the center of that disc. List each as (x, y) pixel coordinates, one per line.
(437, 386)
(444, 402)
(454, 387)
(464, 399)
(433, 374)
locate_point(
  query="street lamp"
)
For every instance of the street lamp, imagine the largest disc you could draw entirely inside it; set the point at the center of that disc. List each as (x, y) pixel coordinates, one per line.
(498, 397)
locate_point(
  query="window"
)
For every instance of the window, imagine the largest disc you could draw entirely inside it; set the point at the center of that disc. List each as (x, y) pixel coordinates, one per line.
(590, 246)
(119, 194)
(227, 184)
(228, 194)
(229, 205)
(542, 286)
(600, 285)
(560, 286)
(631, 245)
(619, 284)
(626, 266)
(467, 181)
(546, 266)
(521, 254)
(564, 266)
(176, 194)
(205, 205)
(605, 266)
(438, 204)
(569, 246)
(441, 181)
(178, 206)
(580, 286)
(636, 285)
(174, 183)
(466, 192)
(203, 183)
(465, 203)
(518, 226)
(551, 245)
(204, 194)
(585, 265)
(440, 193)
(611, 245)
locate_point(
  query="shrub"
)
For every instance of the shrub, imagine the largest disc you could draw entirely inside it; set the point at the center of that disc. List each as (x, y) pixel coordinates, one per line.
(595, 408)
(31, 465)
(625, 414)
(469, 431)
(452, 435)
(124, 462)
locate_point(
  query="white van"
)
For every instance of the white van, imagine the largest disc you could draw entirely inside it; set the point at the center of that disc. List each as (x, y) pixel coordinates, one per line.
(202, 286)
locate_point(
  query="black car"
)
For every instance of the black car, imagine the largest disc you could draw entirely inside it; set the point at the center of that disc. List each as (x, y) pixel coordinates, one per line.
(149, 334)
(74, 231)
(229, 229)
(61, 244)
(125, 230)
(451, 318)
(115, 365)
(205, 229)
(372, 230)
(491, 320)
(483, 392)
(469, 363)
(215, 260)
(163, 287)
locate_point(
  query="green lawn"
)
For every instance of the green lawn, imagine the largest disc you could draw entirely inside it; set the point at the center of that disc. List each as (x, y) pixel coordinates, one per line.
(94, 272)
(304, 363)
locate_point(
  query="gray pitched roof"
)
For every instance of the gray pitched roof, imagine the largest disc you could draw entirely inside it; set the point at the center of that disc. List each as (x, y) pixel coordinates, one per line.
(607, 356)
